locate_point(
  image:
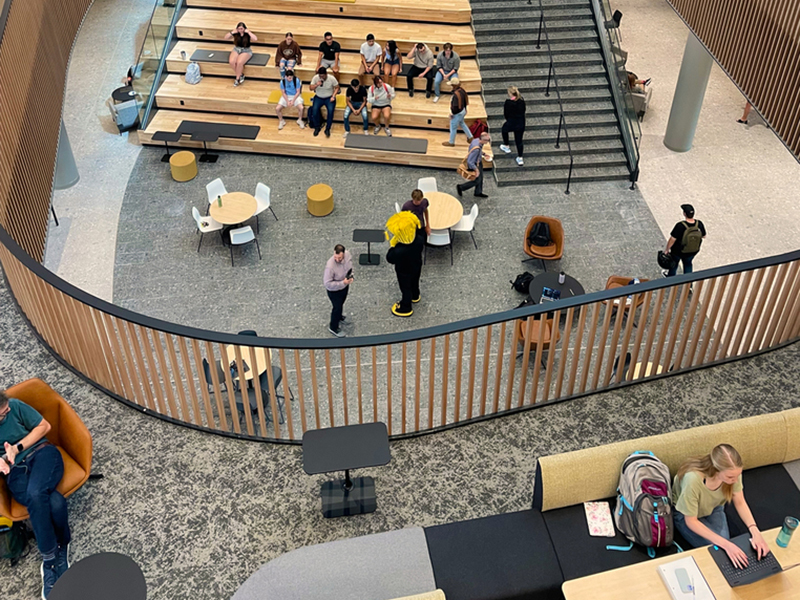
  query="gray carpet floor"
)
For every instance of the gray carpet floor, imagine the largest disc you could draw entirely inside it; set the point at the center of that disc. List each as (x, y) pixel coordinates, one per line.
(201, 513)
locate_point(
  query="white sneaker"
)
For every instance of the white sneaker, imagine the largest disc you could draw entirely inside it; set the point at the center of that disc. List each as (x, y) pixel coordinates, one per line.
(435, 99)
(505, 148)
(344, 135)
(388, 131)
(301, 123)
(520, 162)
(281, 124)
(366, 132)
(377, 129)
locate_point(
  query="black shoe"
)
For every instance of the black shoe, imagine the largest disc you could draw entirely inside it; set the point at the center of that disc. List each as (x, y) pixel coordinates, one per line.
(49, 578)
(411, 93)
(481, 196)
(459, 190)
(342, 318)
(327, 133)
(427, 94)
(316, 131)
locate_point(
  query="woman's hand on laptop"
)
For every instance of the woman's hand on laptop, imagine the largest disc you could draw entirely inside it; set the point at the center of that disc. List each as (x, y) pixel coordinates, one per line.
(758, 543)
(736, 554)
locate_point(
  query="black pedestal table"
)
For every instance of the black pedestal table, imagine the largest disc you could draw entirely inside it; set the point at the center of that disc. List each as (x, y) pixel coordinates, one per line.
(101, 577)
(370, 236)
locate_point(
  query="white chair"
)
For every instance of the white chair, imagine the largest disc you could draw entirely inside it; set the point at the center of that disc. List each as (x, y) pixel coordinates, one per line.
(241, 236)
(397, 207)
(214, 189)
(467, 223)
(205, 225)
(427, 184)
(262, 199)
(441, 238)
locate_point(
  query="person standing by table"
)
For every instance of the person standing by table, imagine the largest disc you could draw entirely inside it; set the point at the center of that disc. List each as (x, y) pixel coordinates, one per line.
(407, 245)
(419, 206)
(337, 279)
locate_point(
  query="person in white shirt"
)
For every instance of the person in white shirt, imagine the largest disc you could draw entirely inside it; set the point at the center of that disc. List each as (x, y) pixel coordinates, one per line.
(370, 59)
(380, 96)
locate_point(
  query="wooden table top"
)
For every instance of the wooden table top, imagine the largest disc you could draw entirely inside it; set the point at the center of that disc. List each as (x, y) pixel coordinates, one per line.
(263, 360)
(444, 210)
(236, 208)
(643, 581)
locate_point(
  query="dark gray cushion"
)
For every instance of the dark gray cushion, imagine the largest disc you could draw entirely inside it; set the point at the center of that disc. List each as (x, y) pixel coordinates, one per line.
(200, 55)
(392, 144)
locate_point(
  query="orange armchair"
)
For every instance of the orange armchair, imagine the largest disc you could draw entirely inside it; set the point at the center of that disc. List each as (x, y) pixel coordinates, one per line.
(68, 433)
(552, 251)
(549, 336)
(618, 281)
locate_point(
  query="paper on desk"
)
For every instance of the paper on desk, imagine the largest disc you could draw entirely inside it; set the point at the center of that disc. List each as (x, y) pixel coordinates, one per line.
(701, 591)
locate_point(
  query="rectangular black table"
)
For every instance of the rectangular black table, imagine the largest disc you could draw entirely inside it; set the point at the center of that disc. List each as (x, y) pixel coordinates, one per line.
(241, 132)
(343, 449)
(216, 56)
(370, 236)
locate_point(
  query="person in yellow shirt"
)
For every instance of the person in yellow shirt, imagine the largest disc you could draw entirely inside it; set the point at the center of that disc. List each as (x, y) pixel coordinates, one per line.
(700, 491)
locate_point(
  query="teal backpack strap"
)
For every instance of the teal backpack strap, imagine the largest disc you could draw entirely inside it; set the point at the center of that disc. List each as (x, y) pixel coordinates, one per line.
(678, 546)
(620, 548)
(651, 552)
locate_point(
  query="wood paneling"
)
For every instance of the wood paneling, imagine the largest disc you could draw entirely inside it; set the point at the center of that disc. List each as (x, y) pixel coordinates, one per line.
(758, 43)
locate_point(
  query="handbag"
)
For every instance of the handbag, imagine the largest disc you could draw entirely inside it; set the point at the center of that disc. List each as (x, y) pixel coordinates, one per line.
(464, 170)
(666, 261)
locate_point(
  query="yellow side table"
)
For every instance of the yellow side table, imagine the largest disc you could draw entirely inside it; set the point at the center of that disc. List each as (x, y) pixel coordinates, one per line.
(320, 200)
(183, 166)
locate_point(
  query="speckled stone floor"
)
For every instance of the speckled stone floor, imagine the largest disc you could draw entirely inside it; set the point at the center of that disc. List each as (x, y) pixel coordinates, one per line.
(200, 513)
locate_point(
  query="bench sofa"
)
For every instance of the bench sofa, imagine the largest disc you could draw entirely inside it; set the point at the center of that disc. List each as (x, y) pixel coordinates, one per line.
(529, 554)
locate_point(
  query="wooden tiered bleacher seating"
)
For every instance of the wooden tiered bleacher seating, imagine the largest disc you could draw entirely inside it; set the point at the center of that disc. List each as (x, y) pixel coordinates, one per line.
(468, 74)
(452, 11)
(203, 24)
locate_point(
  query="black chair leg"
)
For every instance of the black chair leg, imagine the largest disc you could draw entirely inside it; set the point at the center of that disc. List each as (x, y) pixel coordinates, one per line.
(231, 254)
(258, 248)
(544, 265)
(53, 210)
(473, 240)
(273, 213)
(201, 241)
(258, 226)
(451, 250)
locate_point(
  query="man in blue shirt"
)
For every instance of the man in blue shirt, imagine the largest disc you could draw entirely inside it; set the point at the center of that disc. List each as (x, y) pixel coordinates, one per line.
(475, 163)
(33, 467)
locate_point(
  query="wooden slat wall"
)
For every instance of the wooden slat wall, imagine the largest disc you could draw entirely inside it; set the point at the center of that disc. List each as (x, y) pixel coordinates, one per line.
(35, 48)
(758, 43)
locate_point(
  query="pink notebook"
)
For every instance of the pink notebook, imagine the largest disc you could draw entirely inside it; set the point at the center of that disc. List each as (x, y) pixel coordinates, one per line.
(598, 518)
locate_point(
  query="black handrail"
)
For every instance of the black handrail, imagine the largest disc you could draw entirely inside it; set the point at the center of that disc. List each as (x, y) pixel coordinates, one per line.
(552, 73)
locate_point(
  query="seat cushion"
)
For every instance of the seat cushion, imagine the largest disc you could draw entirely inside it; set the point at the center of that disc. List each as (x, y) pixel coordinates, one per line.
(73, 477)
(580, 554)
(771, 495)
(499, 557)
(549, 250)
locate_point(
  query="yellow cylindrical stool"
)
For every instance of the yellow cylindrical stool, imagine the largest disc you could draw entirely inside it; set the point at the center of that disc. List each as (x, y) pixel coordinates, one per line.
(320, 200)
(183, 166)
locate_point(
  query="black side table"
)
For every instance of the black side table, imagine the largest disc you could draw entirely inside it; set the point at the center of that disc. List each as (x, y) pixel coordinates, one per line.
(123, 94)
(343, 449)
(101, 577)
(571, 286)
(166, 136)
(370, 236)
(206, 136)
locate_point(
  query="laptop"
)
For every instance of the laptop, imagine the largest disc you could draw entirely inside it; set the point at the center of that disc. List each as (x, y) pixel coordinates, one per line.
(755, 569)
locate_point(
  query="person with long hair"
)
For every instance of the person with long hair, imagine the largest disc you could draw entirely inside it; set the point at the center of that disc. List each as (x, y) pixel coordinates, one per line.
(702, 487)
(380, 96)
(241, 52)
(392, 63)
(514, 113)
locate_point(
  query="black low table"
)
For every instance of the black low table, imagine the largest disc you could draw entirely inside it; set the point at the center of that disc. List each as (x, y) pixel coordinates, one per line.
(123, 94)
(570, 288)
(100, 577)
(206, 136)
(166, 136)
(370, 236)
(226, 130)
(343, 449)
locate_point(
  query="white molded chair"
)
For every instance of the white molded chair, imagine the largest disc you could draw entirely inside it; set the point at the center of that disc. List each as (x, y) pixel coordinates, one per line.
(441, 238)
(241, 236)
(262, 199)
(467, 223)
(205, 225)
(397, 207)
(427, 184)
(214, 189)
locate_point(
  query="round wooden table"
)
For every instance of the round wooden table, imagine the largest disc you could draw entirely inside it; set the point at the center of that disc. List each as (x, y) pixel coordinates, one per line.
(263, 359)
(236, 208)
(444, 210)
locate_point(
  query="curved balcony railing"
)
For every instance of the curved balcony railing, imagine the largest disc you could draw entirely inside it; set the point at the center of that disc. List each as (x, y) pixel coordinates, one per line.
(417, 381)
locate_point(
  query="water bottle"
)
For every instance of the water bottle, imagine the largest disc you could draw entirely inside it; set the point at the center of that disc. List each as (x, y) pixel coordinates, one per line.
(785, 534)
(219, 201)
(183, 54)
(561, 278)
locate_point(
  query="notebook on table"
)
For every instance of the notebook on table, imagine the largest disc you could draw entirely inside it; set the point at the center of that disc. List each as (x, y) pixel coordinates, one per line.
(756, 569)
(684, 581)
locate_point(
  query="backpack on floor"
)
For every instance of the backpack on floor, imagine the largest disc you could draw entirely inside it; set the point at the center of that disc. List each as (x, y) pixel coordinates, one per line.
(477, 128)
(692, 238)
(540, 234)
(193, 73)
(644, 509)
(522, 282)
(13, 540)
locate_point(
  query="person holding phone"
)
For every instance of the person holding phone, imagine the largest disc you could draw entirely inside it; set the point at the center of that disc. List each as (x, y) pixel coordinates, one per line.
(337, 279)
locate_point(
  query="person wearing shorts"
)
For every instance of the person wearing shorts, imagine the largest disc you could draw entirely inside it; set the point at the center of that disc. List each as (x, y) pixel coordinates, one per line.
(370, 58)
(392, 63)
(380, 96)
(241, 52)
(291, 95)
(329, 51)
(288, 55)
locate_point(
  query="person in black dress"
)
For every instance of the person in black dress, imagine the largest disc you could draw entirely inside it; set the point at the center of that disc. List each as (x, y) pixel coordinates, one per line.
(514, 113)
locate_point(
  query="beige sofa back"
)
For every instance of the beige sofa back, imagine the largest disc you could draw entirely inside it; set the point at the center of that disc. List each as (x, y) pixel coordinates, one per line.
(434, 595)
(593, 473)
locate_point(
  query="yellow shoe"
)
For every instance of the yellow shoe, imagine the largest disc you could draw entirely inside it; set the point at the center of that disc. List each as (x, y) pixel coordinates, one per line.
(417, 299)
(396, 311)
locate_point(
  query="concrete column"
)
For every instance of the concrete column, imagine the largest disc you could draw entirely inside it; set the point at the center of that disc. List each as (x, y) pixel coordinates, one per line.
(689, 93)
(66, 170)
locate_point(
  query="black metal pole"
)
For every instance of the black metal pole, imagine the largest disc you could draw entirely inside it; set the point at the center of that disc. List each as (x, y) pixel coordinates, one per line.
(348, 483)
(569, 177)
(539, 39)
(558, 137)
(549, 74)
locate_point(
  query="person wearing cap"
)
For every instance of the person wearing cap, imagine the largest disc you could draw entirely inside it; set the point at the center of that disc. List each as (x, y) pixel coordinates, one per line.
(684, 241)
(458, 110)
(447, 64)
(370, 58)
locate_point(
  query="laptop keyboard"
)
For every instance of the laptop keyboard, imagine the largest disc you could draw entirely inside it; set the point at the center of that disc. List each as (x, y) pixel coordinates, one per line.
(754, 568)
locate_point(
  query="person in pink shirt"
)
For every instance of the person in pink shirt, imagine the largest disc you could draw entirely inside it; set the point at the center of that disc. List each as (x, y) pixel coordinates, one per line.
(337, 279)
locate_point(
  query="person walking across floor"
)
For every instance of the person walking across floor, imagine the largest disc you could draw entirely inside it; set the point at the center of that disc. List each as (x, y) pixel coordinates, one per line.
(337, 279)
(325, 88)
(684, 241)
(32, 468)
(458, 111)
(407, 245)
(421, 68)
(447, 65)
(475, 157)
(514, 113)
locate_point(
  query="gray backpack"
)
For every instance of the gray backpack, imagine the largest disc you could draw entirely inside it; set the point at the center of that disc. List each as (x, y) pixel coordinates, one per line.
(193, 73)
(644, 509)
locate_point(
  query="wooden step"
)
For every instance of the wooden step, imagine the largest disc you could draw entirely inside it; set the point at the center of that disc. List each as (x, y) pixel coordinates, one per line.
(468, 74)
(292, 141)
(217, 94)
(452, 11)
(204, 24)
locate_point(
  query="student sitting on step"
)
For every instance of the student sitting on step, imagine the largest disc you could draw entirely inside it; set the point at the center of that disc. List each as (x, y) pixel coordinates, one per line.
(380, 96)
(241, 52)
(288, 55)
(291, 95)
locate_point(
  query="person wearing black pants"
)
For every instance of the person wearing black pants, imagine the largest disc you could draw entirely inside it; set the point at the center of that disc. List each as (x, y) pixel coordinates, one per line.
(475, 164)
(337, 279)
(422, 67)
(514, 113)
(407, 261)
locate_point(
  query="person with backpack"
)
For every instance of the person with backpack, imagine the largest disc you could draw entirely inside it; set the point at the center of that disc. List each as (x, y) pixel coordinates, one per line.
(684, 241)
(702, 488)
(380, 96)
(458, 111)
(291, 95)
(33, 467)
(475, 164)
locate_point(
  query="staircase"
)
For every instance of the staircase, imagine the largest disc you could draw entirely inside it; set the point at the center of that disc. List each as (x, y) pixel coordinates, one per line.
(506, 32)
